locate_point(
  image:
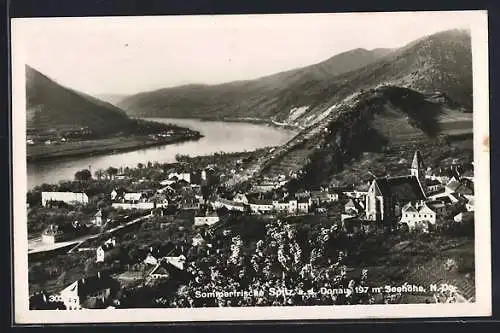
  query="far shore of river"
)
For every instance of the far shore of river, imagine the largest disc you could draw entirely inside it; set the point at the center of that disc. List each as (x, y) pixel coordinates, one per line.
(42, 152)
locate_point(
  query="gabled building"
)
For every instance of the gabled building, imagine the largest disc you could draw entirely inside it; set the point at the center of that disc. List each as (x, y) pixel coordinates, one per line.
(85, 293)
(261, 206)
(241, 198)
(352, 207)
(433, 185)
(229, 204)
(415, 215)
(387, 195)
(97, 221)
(206, 219)
(53, 234)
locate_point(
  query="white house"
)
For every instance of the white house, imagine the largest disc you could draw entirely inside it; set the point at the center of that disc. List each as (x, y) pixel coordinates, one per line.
(332, 196)
(95, 287)
(67, 197)
(167, 182)
(240, 197)
(463, 216)
(231, 205)
(70, 298)
(433, 185)
(97, 221)
(132, 197)
(198, 240)
(99, 254)
(178, 262)
(208, 219)
(414, 216)
(261, 206)
(280, 206)
(180, 176)
(150, 260)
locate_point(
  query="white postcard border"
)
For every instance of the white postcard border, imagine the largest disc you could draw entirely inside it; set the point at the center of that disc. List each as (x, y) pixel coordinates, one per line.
(482, 306)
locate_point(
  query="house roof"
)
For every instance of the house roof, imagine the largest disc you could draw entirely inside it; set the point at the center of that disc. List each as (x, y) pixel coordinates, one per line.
(453, 185)
(261, 202)
(206, 214)
(436, 204)
(53, 230)
(466, 187)
(319, 194)
(408, 208)
(405, 188)
(132, 196)
(160, 270)
(94, 283)
(232, 203)
(99, 213)
(444, 199)
(432, 182)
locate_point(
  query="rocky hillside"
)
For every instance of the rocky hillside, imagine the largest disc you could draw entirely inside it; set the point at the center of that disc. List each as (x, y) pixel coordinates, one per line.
(440, 63)
(373, 121)
(52, 106)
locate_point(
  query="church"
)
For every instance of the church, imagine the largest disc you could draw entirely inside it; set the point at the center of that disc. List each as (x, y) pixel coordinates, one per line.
(387, 195)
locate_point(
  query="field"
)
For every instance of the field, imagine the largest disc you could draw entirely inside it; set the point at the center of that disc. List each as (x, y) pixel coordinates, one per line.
(419, 260)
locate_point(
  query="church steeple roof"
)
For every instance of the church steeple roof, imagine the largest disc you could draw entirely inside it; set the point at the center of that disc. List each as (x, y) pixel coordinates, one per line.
(417, 160)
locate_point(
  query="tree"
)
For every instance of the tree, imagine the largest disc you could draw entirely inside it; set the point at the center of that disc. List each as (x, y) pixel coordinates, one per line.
(83, 175)
(112, 172)
(99, 173)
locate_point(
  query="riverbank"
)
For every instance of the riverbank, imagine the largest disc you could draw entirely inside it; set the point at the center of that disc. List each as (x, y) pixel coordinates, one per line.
(87, 148)
(249, 120)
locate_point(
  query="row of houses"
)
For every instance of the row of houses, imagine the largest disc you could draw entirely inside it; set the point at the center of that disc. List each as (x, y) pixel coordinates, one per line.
(137, 200)
(263, 206)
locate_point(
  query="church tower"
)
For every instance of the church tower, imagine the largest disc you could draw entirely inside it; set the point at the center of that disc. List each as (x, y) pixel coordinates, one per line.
(418, 170)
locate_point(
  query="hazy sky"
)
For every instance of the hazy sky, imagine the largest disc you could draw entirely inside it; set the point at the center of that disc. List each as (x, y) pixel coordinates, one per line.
(125, 55)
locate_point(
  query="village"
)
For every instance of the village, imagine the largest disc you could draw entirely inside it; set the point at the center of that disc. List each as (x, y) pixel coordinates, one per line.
(185, 228)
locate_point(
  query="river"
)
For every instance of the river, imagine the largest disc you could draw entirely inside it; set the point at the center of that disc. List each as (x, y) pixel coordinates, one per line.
(218, 136)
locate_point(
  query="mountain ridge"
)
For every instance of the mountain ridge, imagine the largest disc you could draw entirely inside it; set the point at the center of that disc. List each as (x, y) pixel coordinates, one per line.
(239, 96)
(51, 106)
(440, 62)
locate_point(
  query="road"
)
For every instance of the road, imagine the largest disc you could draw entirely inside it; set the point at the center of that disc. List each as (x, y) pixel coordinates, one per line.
(35, 245)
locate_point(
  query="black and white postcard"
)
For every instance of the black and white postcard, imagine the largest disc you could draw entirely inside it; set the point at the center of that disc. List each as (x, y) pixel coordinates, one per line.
(251, 167)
